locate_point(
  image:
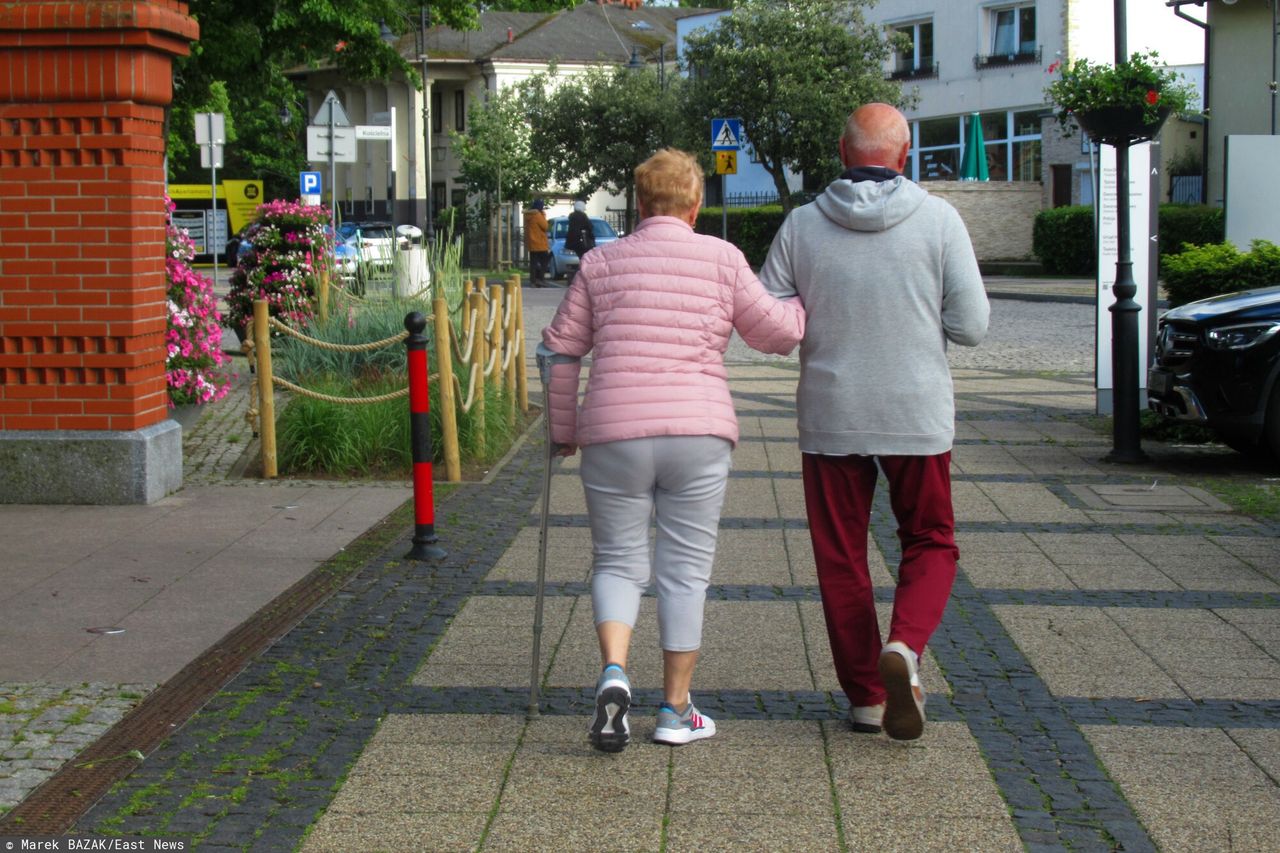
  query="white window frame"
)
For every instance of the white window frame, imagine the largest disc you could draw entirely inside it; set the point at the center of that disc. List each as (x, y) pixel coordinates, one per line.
(914, 25)
(991, 16)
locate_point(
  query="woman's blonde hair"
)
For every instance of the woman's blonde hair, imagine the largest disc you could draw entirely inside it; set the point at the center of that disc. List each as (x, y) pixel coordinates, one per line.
(669, 183)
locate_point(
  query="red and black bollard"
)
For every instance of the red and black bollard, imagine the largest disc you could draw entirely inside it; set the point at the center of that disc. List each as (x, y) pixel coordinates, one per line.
(424, 511)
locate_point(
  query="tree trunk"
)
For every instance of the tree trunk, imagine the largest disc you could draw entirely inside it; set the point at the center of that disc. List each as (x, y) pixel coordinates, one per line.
(780, 184)
(631, 203)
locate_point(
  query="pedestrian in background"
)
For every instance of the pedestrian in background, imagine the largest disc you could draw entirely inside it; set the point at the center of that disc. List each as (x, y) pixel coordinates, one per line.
(535, 241)
(580, 236)
(888, 276)
(656, 310)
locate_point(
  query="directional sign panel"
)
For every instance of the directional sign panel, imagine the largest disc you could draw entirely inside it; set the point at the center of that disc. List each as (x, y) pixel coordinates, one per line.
(373, 131)
(726, 162)
(343, 144)
(726, 134)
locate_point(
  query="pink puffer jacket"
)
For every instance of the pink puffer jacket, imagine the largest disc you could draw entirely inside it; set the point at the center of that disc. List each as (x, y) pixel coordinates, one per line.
(657, 308)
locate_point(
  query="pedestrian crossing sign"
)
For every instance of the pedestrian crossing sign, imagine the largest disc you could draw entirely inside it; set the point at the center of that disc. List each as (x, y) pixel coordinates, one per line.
(726, 162)
(726, 134)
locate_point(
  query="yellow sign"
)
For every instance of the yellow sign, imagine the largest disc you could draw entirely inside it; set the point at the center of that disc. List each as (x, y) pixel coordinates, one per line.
(726, 162)
(241, 198)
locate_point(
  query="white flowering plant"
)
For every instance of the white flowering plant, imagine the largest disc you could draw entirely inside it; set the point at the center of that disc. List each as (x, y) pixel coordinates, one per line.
(195, 365)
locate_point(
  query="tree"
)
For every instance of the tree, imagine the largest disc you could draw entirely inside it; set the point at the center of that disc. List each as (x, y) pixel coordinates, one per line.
(497, 153)
(238, 67)
(792, 72)
(594, 128)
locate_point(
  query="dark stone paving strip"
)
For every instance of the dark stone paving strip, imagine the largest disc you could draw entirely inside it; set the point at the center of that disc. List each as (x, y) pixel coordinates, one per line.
(1226, 526)
(265, 757)
(1133, 599)
(1190, 713)
(1057, 789)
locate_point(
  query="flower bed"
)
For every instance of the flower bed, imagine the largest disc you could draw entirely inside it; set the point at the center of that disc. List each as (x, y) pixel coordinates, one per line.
(194, 364)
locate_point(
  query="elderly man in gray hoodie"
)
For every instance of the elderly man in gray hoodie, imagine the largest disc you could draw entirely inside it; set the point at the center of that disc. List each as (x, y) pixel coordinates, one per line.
(888, 277)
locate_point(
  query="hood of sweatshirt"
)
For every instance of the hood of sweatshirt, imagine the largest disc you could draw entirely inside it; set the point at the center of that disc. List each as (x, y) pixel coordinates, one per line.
(870, 205)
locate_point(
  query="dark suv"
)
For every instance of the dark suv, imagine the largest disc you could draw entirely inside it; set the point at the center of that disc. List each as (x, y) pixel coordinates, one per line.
(1216, 363)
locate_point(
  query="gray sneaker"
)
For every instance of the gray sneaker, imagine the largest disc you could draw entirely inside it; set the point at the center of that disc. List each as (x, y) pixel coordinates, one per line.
(683, 728)
(609, 730)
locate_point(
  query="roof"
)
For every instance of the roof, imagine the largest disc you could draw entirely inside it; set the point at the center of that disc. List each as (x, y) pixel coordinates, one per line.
(586, 33)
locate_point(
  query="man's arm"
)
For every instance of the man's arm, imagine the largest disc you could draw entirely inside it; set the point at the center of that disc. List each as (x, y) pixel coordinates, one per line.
(965, 310)
(777, 274)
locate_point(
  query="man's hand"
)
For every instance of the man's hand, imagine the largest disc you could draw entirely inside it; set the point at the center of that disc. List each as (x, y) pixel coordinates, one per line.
(565, 450)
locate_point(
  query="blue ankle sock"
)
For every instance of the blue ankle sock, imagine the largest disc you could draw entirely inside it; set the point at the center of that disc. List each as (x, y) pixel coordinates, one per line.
(610, 666)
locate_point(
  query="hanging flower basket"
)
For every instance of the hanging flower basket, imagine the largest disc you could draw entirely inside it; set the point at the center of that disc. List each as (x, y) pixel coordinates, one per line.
(1115, 125)
(1120, 103)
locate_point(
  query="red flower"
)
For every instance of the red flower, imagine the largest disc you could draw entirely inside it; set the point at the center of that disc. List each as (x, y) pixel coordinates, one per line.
(1054, 67)
(1153, 96)
(340, 46)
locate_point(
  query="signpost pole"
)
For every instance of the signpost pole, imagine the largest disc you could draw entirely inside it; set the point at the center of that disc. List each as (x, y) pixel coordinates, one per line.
(333, 181)
(211, 239)
(724, 207)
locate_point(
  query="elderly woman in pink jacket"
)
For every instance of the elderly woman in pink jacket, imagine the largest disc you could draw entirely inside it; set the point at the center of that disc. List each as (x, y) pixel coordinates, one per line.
(656, 425)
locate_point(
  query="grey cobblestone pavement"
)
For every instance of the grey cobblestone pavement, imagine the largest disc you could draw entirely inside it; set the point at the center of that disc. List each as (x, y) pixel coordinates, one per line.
(1107, 676)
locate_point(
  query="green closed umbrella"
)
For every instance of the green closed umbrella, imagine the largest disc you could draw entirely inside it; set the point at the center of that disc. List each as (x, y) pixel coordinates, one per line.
(974, 165)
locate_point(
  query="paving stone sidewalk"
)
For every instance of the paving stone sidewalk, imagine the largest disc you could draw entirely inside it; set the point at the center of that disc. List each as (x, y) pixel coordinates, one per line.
(1107, 676)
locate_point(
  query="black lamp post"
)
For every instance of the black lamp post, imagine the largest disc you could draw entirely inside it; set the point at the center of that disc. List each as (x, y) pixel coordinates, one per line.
(428, 227)
(1127, 446)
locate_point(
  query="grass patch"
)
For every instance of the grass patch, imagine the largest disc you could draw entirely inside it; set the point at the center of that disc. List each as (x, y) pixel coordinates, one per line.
(1259, 500)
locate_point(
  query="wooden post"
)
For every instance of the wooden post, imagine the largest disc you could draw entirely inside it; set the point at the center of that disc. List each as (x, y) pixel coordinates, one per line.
(266, 391)
(522, 366)
(512, 288)
(479, 360)
(496, 344)
(448, 414)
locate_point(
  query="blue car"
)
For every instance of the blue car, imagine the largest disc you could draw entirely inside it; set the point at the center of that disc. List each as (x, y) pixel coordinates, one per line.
(563, 261)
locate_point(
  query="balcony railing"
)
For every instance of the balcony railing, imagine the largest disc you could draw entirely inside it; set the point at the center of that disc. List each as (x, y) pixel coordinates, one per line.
(994, 60)
(919, 72)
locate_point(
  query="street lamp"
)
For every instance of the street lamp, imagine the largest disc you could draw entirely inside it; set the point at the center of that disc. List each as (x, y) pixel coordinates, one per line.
(420, 45)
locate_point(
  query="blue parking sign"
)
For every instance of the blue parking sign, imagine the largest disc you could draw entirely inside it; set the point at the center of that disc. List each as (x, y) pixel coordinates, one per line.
(309, 183)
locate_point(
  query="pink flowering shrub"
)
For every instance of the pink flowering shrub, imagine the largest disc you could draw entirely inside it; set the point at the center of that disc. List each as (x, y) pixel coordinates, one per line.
(290, 246)
(195, 364)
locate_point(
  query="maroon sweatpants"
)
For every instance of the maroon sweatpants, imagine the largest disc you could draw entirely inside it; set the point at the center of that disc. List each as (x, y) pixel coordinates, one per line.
(837, 493)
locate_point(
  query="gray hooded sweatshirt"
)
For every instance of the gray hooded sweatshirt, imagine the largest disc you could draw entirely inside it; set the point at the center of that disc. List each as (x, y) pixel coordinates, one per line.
(887, 276)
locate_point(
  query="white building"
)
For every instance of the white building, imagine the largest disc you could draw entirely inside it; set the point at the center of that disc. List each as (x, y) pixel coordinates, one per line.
(462, 67)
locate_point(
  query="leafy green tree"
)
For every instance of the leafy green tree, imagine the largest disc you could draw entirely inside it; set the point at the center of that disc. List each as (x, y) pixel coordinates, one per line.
(239, 65)
(497, 154)
(792, 72)
(594, 128)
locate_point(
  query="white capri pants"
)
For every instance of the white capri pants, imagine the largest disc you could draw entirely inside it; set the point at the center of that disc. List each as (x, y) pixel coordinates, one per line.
(682, 479)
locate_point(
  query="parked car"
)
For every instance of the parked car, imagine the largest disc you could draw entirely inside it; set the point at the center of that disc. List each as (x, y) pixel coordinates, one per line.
(563, 261)
(1216, 364)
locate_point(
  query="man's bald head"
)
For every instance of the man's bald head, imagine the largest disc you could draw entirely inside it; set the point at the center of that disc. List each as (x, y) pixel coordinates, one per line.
(875, 135)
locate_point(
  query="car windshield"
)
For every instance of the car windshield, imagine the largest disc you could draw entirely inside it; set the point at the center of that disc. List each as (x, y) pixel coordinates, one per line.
(376, 232)
(602, 229)
(559, 228)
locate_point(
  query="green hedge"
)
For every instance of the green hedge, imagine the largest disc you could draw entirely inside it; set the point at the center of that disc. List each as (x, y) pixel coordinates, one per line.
(1204, 271)
(1189, 224)
(751, 229)
(1062, 237)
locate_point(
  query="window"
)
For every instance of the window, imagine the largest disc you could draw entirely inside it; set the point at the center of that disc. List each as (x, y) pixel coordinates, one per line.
(1012, 36)
(916, 59)
(437, 112)
(1011, 143)
(459, 111)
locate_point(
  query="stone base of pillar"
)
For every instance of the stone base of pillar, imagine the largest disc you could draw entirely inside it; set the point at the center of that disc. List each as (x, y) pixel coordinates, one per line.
(95, 467)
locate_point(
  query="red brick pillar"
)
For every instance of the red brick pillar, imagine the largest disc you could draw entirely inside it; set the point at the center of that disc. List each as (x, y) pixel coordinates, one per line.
(83, 405)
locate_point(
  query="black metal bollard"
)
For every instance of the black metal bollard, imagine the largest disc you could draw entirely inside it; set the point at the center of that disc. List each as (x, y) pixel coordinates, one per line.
(424, 511)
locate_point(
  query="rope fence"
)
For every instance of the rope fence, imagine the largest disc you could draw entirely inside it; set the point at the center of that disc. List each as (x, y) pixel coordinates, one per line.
(488, 351)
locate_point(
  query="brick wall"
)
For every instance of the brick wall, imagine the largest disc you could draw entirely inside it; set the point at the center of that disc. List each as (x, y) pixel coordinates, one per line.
(999, 216)
(83, 87)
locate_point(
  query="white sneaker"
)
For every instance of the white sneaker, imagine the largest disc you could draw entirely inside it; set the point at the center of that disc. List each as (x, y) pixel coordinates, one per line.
(867, 719)
(904, 707)
(683, 728)
(610, 731)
